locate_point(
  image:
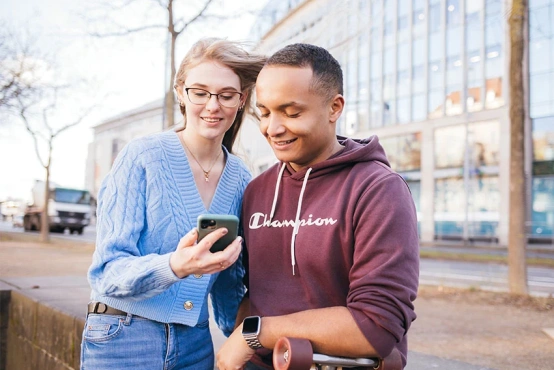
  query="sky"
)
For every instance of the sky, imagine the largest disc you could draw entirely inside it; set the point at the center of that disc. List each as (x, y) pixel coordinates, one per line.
(107, 76)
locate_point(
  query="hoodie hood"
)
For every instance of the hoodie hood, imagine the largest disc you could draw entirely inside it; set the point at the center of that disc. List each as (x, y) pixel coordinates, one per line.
(354, 151)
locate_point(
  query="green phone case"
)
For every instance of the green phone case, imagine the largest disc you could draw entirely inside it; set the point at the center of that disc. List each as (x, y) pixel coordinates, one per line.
(211, 222)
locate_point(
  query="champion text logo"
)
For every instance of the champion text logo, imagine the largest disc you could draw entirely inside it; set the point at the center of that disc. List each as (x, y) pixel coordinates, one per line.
(259, 219)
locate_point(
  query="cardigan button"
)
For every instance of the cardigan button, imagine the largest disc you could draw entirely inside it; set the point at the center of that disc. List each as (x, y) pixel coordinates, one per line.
(198, 276)
(188, 305)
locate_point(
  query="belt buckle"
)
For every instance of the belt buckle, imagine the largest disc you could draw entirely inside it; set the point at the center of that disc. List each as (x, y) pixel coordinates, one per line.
(97, 305)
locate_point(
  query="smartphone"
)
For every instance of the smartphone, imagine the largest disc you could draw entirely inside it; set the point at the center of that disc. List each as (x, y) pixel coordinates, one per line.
(208, 223)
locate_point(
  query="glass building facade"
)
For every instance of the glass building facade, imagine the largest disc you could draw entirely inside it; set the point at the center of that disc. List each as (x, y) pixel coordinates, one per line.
(541, 107)
(430, 78)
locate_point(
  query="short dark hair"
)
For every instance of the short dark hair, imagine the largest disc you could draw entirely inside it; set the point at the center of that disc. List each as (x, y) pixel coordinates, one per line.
(327, 71)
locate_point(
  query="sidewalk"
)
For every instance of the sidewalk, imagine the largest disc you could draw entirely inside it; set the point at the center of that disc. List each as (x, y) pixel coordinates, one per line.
(458, 330)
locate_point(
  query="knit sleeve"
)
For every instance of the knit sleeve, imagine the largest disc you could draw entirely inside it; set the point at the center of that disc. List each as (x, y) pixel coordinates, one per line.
(384, 277)
(118, 268)
(228, 290)
(226, 294)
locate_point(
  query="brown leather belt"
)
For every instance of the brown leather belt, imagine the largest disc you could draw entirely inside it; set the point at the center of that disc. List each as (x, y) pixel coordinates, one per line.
(104, 309)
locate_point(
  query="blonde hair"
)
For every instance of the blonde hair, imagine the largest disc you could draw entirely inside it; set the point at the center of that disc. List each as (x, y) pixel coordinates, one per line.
(231, 54)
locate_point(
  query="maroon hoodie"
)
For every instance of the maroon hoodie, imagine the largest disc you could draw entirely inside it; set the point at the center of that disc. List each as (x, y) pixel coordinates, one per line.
(355, 244)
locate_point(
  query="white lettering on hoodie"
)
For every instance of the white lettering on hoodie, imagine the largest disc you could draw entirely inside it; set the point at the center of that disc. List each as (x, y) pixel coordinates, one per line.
(259, 219)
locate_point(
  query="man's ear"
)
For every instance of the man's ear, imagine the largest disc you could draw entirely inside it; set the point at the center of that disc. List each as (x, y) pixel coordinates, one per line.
(336, 106)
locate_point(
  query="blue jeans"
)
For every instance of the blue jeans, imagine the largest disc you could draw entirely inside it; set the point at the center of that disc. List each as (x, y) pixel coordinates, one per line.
(132, 342)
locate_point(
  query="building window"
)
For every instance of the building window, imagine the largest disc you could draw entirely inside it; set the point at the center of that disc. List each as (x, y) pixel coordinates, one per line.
(453, 14)
(542, 210)
(471, 206)
(403, 152)
(403, 110)
(418, 17)
(435, 103)
(541, 59)
(467, 198)
(436, 48)
(453, 104)
(474, 81)
(376, 65)
(376, 103)
(493, 77)
(403, 83)
(482, 145)
(449, 207)
(453, 41)
(418, 79)
(435, 18)
(418, 107)
(543, 140)
(117, 145)
(449, 146)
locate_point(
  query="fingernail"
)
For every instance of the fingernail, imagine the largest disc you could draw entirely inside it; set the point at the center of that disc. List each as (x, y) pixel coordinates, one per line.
(223, 231)
(192, 232)
(240, 239)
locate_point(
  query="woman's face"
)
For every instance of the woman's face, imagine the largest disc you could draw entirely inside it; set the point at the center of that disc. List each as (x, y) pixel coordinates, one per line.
(211, 119)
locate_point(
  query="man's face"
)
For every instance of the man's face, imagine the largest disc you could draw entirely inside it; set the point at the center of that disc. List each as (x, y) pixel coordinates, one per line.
(299, 124)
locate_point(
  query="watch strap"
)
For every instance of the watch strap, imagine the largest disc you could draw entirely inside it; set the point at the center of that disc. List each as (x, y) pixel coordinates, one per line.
(253, 341)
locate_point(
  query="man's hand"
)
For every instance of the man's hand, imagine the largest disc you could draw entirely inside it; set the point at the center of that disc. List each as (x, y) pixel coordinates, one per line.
(234, 353)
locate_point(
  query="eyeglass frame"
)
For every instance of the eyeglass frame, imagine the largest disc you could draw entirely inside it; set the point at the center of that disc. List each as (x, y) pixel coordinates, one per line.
(212, 94)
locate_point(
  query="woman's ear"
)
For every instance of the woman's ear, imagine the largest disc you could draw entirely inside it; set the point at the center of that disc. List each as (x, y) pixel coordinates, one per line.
(180, 96)
(243, 100)
(336, 105)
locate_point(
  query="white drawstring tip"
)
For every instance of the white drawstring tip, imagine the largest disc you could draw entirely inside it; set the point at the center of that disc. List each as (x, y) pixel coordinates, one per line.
(293, 270)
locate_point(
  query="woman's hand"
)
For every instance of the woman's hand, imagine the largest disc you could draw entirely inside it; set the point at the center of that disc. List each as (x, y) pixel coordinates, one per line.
(191, 259)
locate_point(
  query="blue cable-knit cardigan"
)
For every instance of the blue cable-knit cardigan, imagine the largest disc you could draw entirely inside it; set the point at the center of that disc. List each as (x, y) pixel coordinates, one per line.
(146, 204)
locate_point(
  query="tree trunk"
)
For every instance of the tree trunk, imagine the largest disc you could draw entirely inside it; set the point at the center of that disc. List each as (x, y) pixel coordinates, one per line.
(169, 95)
(44, 221)
(517, 239)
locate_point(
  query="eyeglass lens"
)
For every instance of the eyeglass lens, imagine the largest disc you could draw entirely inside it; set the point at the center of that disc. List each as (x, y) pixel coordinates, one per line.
(229, 99)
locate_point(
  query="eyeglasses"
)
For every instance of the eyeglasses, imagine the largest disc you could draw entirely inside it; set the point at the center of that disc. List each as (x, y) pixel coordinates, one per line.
(229, 99)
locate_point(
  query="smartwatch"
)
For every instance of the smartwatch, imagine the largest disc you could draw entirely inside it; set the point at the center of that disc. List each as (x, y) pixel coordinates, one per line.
(251, 327)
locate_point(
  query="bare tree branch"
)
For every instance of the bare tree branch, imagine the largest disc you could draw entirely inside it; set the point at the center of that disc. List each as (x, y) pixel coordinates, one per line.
(23, 115)
(76, 122)
(128, 31)
(195, 18)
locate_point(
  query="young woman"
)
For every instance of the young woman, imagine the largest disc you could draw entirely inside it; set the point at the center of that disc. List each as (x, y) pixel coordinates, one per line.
(150, 280)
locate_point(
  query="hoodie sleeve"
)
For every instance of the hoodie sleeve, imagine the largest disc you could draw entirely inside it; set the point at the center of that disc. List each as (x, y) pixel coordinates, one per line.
(385, 273)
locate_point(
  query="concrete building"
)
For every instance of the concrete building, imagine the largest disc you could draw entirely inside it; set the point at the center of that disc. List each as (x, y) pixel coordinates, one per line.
(111, 136)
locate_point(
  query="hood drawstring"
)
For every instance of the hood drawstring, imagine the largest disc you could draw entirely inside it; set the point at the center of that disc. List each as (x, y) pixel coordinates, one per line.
(298, 209)
(297, 220)
(277, 191)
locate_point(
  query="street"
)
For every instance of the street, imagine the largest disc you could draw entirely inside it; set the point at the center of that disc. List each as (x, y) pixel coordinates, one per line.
(452, 327)
(89, 233)
(475, 275)
(484, 276)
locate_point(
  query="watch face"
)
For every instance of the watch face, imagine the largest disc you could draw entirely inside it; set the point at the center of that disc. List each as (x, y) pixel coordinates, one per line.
(251, 325)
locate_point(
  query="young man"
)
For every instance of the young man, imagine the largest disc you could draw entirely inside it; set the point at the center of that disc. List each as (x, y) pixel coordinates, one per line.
(330, 231)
